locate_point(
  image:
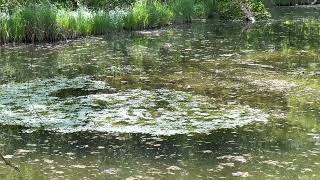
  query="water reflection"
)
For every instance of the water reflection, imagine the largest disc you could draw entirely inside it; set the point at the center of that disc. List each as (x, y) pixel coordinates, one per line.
(196, 101)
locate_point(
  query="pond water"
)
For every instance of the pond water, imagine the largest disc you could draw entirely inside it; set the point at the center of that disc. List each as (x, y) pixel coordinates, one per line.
(208, 100)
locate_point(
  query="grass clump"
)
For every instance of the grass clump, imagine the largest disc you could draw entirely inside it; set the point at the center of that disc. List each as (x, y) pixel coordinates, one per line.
(228, 9)
(101, 23)
(148, 14)
(38, 23)
(183, 9)
(32, 23)
(4, 34)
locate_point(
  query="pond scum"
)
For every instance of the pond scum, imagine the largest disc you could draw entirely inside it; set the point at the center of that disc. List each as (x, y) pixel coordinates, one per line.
(46, 22)
(72, 105)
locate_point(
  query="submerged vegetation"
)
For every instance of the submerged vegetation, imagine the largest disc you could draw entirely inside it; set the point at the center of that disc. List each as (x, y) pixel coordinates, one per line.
(48, 22)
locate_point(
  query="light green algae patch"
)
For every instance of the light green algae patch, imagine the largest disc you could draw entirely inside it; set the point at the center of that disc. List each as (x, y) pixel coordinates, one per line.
(83, 104)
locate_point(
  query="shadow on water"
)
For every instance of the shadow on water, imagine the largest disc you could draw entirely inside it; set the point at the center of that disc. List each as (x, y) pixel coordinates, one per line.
(201, 101)
(76, 92)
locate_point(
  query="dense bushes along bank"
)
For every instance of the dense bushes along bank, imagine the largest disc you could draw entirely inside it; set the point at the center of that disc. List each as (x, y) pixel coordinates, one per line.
(46, 22)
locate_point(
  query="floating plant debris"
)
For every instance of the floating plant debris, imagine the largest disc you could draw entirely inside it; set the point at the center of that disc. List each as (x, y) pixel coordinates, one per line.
(83, 104)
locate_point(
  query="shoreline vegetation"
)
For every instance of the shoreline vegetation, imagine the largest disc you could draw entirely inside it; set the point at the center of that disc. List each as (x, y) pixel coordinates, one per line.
(295, 2)
(36, 22)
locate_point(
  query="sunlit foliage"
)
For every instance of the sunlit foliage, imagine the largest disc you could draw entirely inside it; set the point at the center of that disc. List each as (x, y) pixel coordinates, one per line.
(48, 21)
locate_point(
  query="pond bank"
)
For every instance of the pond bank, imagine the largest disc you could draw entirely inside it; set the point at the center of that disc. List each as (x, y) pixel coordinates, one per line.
(49, 23)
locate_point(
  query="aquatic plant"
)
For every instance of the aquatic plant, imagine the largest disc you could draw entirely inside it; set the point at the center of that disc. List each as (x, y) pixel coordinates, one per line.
(4, 27)
(32, 23)
(183, 9)
(159, 14)
(118, 18)
(38, 23)
(147, 14)
(205, 8)
(101, 23)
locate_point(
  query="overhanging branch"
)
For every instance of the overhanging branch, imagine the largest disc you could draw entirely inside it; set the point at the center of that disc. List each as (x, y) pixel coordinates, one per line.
(8, 163)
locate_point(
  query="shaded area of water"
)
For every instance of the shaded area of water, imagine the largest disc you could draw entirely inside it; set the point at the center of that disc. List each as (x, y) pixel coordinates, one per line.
(201, 101)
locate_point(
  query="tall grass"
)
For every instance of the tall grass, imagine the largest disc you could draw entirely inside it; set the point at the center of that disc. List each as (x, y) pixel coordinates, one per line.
(148, 14)
(183, 9)
(45, 22)
(38, 23)
(33, 23)
(206, 8)
(101, 23)
(4, 34)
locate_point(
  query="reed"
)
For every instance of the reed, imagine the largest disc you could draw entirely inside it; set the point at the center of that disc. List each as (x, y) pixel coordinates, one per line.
(148, 14)
(183, 9)
(45, 22)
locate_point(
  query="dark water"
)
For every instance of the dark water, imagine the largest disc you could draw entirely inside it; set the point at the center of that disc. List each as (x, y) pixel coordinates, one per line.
(208, 100)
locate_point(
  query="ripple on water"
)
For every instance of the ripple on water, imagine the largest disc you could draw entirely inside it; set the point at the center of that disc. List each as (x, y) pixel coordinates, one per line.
(56, 104)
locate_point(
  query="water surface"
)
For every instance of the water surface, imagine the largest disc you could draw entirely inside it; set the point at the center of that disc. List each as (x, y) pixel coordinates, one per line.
(206, 100)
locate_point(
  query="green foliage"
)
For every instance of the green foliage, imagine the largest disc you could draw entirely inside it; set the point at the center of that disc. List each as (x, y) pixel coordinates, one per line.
(82, 22)
(229, 9)
(4, 35)
(38, 22)
(138, 17)
(118, 18)
(71, 4)
(183, 9)
(259, 9)
(147, 14)
(32, 23)
(23, 21)
(101, 23)
(106, 4)
(205, 8)
(159, 14)
(291, 2)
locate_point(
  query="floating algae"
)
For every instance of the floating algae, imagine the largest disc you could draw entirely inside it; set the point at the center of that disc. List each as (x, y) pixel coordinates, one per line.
(83, 104)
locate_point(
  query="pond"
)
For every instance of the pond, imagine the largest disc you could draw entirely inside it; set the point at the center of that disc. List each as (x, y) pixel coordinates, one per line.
(207, 100)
